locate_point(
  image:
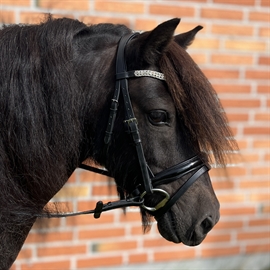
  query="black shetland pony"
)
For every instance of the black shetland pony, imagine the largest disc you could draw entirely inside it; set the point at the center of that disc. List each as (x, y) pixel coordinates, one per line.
(65, 86)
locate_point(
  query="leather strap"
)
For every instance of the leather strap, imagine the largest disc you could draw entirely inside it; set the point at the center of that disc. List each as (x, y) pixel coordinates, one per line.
(131, 121)
(158, 214)
(175, 172)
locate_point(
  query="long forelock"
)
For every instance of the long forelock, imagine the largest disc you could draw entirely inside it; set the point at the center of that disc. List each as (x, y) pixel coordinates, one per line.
(197, 104)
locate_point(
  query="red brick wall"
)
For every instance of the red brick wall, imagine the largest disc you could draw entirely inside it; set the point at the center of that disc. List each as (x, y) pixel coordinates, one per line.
(232, 51)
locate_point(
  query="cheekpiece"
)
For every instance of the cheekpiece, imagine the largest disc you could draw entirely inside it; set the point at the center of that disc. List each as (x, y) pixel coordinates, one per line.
(149, 73)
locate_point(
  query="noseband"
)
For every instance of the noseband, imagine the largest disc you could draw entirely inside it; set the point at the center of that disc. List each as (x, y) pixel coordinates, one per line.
(195, 166)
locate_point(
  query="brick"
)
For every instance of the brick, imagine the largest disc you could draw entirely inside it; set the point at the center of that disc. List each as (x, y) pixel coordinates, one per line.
(86, 204)
(73, 192)
(114, 246)
(260, 170)
(259, 222)
(62, 250)
(252, 235)
(104, 190)
(251, 184)
(229, 225)
(260, 197)
(25, 253)
(237, 117)
(7, 16)
(225, 198)
(238, 158)
(221, 14)
(59, 265)
(237, 171)
(199, 58)
(139, 230)
(242, 144)
(250, 158)
(49, 237)
(221, 73)
(236, 2)
(265, 208)
(64, 4)
(241, 103)
(157, 242)
(220, 173)
(262, 117)
(259, 16)
(237, 211)
(130, 217)
(265, 3)
(167, 255)
(145, 24)
(137, 258)
(263, 89)
(232, 88)
(16, 2)
(102, 19)
(85, 176)
(99, 261)
(59, 207)
(44, 223)
(106, 218)
(32, 17)
(261, 144)
(199, 1)
(172, 10)
(258, 74)
(264, 60)
(217, 238)
(235, 131)
(258, 247)
(119, 7)
(72, 178)
(214, 252)
(264, 32)
(245, 45)
(257, 130)
(232, 59)
(101, 233)
(232, 30)
(206, 43)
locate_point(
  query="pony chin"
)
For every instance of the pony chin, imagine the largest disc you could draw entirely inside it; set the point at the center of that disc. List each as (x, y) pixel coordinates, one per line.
(174, 232)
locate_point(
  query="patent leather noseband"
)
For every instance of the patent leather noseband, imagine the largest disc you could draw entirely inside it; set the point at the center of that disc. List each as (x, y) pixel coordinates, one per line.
(195, 166)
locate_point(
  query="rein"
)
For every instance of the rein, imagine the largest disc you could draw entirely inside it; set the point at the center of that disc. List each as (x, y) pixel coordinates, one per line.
(194, 165)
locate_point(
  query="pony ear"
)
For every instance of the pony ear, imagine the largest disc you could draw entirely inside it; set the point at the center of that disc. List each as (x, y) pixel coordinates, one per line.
(186, 39)
(152, 44)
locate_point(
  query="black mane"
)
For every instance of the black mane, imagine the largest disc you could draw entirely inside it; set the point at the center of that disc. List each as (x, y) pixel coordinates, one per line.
(43, 105)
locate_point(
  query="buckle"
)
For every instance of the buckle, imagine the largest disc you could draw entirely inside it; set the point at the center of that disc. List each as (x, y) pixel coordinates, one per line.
(160, 204)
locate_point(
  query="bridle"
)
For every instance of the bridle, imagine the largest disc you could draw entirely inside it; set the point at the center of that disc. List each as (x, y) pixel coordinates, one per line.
(195, 165)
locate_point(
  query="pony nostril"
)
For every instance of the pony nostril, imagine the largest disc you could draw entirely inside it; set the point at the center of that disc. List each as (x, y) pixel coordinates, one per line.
(201, 229)
(207, 224)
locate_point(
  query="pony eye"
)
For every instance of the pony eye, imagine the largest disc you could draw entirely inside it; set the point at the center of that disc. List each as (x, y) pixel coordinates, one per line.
(158, 117)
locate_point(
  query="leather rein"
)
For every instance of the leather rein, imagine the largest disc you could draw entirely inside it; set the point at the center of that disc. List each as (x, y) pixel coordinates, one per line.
(195, 165)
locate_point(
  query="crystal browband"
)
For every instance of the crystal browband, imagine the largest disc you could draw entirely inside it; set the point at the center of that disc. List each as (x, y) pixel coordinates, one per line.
(149, 73)
(140, 73)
